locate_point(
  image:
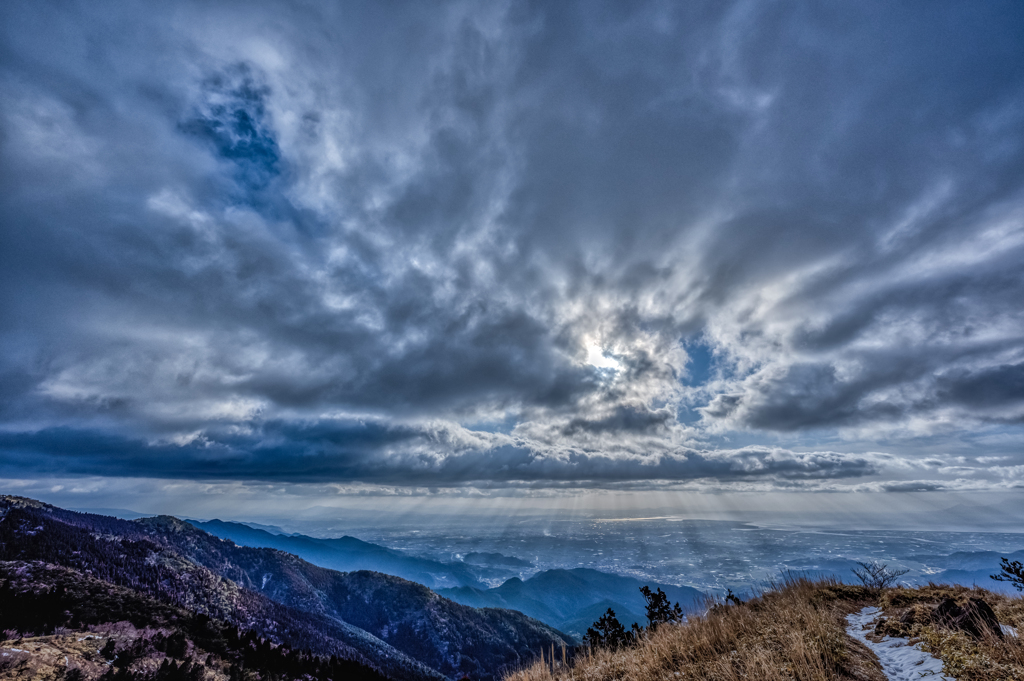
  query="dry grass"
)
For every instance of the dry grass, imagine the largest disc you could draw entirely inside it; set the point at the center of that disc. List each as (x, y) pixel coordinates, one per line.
(964, 658)
(793, 631)
(51, 658)
(901, 597)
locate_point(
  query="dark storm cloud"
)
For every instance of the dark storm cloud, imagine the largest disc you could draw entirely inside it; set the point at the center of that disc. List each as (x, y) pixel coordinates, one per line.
(914, 486)
(622, 419)
(393, 455)
(217, 217)
(992, 386)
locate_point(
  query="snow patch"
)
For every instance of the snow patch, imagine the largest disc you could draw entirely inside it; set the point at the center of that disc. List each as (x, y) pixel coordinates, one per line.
(900, 661)
(1008, 630)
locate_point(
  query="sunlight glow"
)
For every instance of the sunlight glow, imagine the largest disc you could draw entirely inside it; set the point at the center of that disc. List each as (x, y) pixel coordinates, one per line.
(597, 358)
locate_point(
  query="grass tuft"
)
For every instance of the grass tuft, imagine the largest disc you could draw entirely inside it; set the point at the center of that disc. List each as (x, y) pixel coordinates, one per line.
(966, 659)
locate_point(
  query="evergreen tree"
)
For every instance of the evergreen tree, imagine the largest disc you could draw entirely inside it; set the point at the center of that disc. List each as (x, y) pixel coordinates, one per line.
(658, 609)
(1011, 571)
(606, 632)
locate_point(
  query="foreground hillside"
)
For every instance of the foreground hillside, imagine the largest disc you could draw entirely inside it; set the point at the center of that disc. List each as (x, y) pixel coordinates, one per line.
(798, 631)
(399, 628)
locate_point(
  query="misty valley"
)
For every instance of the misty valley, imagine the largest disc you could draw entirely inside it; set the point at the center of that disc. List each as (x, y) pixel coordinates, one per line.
(524, 563)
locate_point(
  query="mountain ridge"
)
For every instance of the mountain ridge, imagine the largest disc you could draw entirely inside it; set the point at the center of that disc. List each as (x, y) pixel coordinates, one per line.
(565, 599)
(588, 586)
(135, 632)
(391, 620)
(348, 554)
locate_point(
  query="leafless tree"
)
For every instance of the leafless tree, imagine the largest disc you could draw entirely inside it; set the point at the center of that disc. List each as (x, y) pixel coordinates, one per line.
(877, 576)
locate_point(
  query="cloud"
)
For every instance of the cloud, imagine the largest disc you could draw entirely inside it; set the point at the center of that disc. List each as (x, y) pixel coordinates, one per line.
(431, 454)
(562, 231)
(914, 486)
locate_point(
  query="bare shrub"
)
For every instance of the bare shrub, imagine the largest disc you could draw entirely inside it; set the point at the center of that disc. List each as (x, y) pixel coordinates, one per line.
(877, 576)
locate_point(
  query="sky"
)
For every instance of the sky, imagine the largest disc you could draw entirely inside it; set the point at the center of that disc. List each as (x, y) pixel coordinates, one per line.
(571, 254)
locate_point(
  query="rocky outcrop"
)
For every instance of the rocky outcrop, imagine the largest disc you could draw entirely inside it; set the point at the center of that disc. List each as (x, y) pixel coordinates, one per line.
(974, 617)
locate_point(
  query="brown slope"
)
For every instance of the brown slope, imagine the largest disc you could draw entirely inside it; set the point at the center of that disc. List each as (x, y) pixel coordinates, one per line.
(126, 554)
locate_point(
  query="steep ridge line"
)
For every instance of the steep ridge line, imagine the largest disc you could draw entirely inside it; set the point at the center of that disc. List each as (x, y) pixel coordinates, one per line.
(404, 627)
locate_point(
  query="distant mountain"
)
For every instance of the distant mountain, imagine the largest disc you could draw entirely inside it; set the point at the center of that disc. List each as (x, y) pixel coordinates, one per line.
(568, 599)
(985, 511)
(966, 517)
(495, 559)
(969, 568)
(272, 529)
(402, 628)
(564, 599)
(348, 553)
(968, 560)
(979, 578)
(586, 617)
(122, 513)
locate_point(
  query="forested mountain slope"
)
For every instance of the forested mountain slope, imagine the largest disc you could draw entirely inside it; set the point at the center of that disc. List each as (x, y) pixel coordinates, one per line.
(65, 624)
(402, 627)
(347, 554)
